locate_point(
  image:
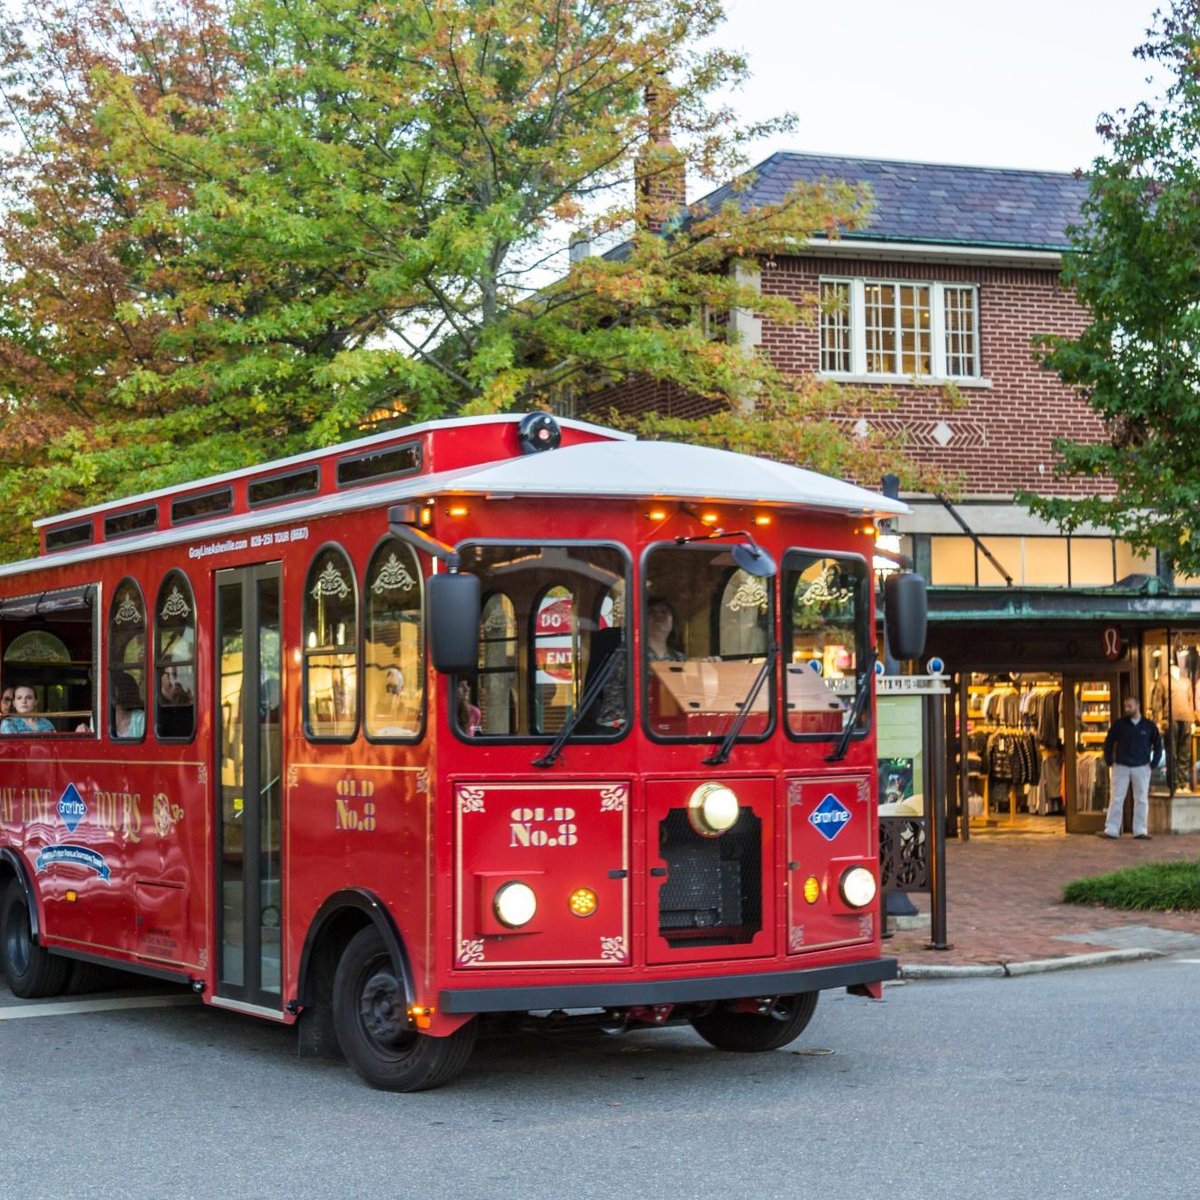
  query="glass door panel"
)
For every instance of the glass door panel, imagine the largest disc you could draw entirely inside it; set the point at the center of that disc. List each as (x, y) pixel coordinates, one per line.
(249, 690)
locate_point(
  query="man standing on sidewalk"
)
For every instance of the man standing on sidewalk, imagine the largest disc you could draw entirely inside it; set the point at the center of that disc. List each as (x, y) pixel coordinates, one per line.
(1133, 744)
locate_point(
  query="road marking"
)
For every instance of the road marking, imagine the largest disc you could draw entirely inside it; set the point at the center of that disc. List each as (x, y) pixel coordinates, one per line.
(112, 1003)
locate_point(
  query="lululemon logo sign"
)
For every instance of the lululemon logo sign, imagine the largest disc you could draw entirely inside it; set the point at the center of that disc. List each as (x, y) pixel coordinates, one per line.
(1111, 643)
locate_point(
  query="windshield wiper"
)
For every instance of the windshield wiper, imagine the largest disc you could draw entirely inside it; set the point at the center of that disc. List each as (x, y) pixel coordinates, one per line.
(590, 695)
(722, 753)
(856, 710)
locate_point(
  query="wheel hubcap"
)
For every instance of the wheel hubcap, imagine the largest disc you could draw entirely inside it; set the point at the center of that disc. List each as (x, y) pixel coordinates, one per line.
(383, 1016)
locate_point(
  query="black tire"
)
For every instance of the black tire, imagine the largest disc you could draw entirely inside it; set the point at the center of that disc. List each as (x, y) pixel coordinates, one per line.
(91, 977)
(372, 1026)
(31, 969)
(752, 1033)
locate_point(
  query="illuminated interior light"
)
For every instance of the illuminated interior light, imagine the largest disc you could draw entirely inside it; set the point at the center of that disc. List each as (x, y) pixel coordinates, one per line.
(582, 902)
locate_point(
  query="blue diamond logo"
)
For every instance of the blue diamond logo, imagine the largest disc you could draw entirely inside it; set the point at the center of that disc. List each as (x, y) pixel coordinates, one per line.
(830, 817)
(71, 808)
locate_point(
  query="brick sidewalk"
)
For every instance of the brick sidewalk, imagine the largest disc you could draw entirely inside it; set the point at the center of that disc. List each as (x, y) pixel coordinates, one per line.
(1004, 897)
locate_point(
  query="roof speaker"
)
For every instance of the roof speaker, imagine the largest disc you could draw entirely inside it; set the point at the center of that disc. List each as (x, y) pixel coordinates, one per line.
(538, 431)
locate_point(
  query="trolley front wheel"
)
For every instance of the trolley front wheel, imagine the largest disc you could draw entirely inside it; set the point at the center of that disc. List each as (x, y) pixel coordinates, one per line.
(31, 969)
(751, 1033)
(371, 1020)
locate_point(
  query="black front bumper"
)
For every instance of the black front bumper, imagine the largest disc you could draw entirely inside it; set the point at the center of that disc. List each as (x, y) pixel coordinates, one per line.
(664, 991)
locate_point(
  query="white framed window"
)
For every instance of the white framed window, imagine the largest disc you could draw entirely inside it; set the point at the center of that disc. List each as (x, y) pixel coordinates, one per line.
(898, 329)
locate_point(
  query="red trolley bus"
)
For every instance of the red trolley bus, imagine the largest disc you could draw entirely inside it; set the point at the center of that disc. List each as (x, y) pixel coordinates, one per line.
(480, 717)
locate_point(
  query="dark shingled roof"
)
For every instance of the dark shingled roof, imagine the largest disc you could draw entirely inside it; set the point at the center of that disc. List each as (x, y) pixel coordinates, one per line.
(932, 202)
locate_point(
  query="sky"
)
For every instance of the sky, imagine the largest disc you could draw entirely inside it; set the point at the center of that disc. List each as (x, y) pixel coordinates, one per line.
(996, 83)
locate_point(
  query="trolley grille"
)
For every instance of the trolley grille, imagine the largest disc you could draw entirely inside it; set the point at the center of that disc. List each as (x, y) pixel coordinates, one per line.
(713, 892)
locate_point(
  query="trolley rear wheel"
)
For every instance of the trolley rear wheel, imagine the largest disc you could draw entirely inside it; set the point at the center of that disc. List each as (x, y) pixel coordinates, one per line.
(752, 1033)
(373, 1031)
(31, 969)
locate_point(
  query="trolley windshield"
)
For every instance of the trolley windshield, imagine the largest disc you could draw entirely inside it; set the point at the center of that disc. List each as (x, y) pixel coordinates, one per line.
(705, 636)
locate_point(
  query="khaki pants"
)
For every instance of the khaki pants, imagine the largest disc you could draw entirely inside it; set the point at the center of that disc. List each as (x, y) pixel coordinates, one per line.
(1123, 778)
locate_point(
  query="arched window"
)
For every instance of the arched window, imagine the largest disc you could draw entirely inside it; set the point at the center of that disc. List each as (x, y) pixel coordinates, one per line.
(331, 648)
(496, 684)
(394, 644)
(175, 659)
(742, 616)
(127, 663)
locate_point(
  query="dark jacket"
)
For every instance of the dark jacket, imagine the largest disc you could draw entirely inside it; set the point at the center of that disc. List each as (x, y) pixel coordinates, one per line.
(1133, 745)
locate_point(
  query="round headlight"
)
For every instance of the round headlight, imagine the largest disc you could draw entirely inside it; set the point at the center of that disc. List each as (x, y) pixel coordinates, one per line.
(858, 887)
(713, 809)
(515, 904)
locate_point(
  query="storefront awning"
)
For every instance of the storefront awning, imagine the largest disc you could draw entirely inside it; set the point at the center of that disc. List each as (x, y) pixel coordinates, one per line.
(1144, 606)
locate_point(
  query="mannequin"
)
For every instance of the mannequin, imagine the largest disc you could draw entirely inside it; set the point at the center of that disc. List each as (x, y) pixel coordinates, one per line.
(1183, 714)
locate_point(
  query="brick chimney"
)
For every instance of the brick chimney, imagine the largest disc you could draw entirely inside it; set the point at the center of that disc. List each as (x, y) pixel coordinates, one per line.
(659, 172)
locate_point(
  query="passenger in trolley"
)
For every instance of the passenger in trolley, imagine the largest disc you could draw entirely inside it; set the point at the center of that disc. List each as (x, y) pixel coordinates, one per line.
(25, 720)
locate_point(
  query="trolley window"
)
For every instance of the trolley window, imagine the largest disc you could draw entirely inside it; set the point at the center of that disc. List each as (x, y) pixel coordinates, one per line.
(331, 648)
(547, 634)
(48, 674)
(206, 504)
(705, 639)
(826, 609)
(394, 643)
(127, 663)
(379, 464)
(278, 488)
(66, 537)
(126, 524)
(175, 659)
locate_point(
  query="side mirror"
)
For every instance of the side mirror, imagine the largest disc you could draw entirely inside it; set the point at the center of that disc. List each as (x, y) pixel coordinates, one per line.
(454, 604)
(904, 614)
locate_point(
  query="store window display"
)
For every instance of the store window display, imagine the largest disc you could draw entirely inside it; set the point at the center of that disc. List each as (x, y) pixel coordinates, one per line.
(1173, 669)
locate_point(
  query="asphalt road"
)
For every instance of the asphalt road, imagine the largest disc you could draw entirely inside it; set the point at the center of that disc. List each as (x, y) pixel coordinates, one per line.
(1079, 1084)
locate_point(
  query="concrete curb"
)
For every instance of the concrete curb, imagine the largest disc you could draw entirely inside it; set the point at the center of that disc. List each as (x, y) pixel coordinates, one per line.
(1037, 966)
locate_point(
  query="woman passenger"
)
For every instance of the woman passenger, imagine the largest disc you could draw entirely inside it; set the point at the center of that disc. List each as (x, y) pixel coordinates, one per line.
(25, 718)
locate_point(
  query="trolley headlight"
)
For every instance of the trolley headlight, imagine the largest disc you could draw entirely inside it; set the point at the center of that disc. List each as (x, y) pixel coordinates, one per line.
(858, 887)
(515, 904)
(713, 809)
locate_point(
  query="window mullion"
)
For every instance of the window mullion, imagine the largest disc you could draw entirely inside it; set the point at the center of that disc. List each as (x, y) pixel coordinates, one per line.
(938, 359)
(858, 331)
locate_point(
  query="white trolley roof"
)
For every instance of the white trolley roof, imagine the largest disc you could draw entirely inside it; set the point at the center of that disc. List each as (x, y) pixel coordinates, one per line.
(619, 469)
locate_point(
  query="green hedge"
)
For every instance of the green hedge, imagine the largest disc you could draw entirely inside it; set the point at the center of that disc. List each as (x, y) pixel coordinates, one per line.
(1157, 886)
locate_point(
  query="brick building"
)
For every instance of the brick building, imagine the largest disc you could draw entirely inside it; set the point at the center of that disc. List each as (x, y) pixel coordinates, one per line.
(951, 280)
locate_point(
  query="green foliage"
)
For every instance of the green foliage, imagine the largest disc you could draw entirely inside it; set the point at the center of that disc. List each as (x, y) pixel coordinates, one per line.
(1136, 269)
(1161, 887)
(234, 233)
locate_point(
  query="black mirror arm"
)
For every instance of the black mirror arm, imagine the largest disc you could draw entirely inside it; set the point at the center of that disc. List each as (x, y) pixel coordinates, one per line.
(589, 697)
(856, 710)
(421, 540)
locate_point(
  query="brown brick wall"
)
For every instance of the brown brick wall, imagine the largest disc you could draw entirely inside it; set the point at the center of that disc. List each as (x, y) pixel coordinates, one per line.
(1002, 434)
